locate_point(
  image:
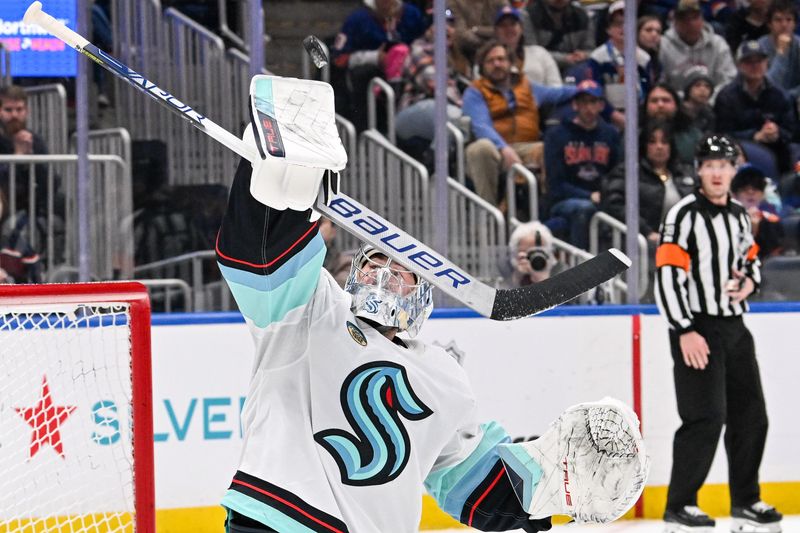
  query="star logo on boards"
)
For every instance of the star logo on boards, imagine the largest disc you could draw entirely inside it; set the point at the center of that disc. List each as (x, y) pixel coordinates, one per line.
(45, 419)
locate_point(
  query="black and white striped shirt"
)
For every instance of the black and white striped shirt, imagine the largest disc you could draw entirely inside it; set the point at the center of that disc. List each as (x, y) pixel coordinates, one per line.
(701, 244)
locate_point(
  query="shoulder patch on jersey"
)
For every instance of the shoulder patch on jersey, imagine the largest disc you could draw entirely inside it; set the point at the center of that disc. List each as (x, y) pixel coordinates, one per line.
(453, 350)
(357, 334)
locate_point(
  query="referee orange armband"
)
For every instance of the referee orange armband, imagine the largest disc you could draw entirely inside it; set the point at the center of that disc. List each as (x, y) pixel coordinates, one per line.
(752, 253)
(670, 254)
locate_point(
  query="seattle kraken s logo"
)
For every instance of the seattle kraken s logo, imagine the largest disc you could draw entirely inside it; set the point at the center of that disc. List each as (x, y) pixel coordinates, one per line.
(373, 397)
(372, 304)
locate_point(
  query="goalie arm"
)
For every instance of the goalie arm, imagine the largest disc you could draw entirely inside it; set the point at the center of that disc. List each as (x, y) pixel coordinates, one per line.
(470, 483)
(271, 259)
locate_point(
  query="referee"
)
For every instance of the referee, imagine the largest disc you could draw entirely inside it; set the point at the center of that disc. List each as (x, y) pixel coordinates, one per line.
(707, 266)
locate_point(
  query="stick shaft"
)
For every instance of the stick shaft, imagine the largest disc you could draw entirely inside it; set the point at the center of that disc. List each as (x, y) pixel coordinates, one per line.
(35, 15)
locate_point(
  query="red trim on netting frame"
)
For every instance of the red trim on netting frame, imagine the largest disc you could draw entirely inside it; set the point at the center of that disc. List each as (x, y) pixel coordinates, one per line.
(141, 371)
(636, 338)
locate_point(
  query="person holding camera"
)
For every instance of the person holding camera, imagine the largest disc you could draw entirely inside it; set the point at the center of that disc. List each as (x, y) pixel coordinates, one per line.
(531, 253)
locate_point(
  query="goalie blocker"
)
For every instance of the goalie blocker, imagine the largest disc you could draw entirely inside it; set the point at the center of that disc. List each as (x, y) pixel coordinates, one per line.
(590, 464)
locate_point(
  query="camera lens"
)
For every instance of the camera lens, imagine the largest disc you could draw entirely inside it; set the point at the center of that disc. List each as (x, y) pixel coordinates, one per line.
(538, 259)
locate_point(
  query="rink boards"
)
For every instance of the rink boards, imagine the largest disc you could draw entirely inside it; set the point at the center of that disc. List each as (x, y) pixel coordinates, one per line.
(524, 373)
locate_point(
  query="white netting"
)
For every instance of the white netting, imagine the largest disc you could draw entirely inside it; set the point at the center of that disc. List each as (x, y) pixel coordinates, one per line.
(66, 454)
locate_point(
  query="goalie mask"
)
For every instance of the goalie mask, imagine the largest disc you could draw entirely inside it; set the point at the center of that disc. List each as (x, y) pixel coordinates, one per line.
(382, 292)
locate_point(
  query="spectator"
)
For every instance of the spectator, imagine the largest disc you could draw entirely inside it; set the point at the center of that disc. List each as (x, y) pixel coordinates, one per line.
(747, 23)
(504, 110)
(533, 60)
(663, 181)
(531, 254)
(19, 262)
(692, 42)
(783, 47)
(374, 42)
(17, 139)
(697, 99)
(764, 115)
(564, 29)
(748, 188)
(578, 153)
(662, 104)
(648, 31)
(415, 121)
(607, 62)
(474, 23)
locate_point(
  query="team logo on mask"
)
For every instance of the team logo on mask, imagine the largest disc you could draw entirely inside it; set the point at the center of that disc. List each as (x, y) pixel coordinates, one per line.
(372, 304)
(357, 334)
(374, 397)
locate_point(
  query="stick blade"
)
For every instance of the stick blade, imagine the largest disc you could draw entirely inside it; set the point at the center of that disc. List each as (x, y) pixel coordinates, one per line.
(510, 304)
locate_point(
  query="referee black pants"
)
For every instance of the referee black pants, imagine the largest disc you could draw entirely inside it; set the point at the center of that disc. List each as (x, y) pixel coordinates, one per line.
(727, 392)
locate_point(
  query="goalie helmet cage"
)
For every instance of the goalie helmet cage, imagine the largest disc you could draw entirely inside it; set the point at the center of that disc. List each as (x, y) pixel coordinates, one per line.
(76, 417)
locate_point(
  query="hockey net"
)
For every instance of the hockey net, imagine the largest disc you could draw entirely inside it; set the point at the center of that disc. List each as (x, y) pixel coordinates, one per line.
(76, 430)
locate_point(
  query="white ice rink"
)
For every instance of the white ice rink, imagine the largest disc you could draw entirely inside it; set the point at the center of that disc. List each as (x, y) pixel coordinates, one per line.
(791, 524)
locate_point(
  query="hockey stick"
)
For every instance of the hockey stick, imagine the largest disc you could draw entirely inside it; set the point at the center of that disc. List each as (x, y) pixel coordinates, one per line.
(498, 304)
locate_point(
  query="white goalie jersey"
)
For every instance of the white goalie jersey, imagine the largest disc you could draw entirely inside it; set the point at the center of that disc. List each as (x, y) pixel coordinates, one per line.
(342, 427)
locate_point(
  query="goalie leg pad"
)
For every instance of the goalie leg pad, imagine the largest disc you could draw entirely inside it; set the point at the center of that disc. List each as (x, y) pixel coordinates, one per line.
(590, 463)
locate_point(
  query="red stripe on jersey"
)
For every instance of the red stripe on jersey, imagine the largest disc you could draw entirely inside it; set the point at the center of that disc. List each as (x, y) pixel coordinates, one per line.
(289, 504)
(485, 493)
(265, 265)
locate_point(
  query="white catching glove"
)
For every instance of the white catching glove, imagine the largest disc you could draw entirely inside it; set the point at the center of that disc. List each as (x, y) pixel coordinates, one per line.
(297, 139)
(590, 464)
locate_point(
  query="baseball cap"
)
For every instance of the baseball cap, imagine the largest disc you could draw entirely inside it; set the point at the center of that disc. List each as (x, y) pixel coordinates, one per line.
(749, 49)
(619, 5)
(507, 11)
(589, 87)
(687, 6)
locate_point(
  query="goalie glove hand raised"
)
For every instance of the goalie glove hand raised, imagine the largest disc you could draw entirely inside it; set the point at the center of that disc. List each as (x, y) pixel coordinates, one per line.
(293, 127)
(590, 464)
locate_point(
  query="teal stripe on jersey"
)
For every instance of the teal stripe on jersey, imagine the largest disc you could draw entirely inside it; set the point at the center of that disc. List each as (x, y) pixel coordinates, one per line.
(286, 272)
(452, 486)
(521, 463)
(269, 305)
(252, 508)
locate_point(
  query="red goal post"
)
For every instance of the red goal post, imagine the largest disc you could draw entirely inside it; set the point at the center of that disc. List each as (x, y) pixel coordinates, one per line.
(76, 416)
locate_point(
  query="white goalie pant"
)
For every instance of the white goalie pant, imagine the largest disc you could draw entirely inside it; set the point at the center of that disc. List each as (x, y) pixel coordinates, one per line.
(590, 464)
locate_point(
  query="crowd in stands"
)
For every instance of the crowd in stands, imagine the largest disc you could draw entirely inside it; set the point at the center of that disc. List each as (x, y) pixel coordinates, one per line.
(540, 83)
